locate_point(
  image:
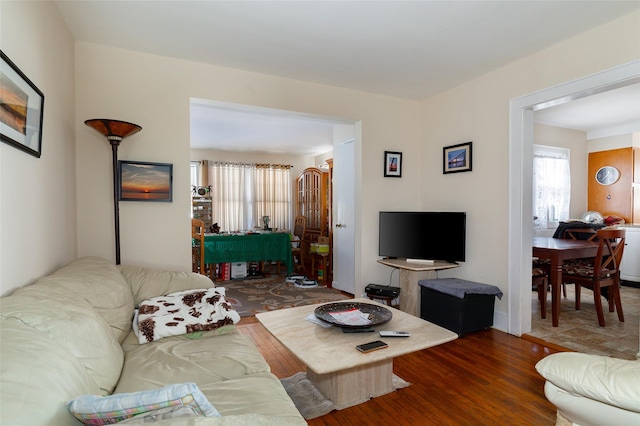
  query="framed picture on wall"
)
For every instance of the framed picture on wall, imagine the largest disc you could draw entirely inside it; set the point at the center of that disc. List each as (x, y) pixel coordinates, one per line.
(21, 107)
(144, 181)
(392, 164)
(456, 158)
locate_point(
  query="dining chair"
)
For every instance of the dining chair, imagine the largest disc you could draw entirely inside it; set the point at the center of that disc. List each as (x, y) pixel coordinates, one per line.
(197, 247)
(585, 234)
(599, 272)
(540, 283)
(299, 227)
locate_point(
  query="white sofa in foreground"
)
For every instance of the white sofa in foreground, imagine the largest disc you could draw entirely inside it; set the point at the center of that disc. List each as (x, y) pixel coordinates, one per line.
(592, 390)
(70, 334)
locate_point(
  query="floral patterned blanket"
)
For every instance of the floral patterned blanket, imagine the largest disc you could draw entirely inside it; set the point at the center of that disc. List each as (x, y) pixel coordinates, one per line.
(183, 312)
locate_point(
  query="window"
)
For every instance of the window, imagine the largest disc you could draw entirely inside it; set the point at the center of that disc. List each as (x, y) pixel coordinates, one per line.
(551, 186)
(243, 194)
(195, 173)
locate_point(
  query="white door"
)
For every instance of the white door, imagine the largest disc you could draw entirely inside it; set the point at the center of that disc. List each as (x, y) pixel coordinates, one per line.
(343, 214)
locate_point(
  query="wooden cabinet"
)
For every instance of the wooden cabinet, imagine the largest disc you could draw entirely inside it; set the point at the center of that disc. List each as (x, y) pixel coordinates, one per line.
(615, 198)
(313, 201)
(202, 210)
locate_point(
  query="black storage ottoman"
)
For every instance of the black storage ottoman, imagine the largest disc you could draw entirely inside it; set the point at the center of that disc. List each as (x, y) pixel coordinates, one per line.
(458, 305)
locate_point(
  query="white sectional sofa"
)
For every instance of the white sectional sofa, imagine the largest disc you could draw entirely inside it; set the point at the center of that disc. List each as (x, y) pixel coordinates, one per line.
(592, 390)
(70, 334)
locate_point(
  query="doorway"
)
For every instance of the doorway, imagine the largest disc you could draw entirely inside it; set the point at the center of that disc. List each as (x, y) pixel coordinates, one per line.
(270, 134)
(521, 112)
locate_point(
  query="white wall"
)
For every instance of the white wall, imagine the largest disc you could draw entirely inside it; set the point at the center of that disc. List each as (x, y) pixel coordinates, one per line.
(611, 142)
(479, 111)
(37, 195)
(154, 92)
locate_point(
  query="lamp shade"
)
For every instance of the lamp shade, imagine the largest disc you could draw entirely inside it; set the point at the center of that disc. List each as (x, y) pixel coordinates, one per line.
(113, 128)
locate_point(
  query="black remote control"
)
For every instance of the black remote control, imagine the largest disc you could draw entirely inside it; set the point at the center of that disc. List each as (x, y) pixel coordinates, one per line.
(357, 330)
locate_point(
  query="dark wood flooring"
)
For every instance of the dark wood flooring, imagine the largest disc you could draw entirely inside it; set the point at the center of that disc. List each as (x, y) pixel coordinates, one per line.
(483, 378)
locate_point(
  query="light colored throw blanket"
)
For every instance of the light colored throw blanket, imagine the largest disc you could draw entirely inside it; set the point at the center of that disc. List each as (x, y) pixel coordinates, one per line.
(183, 312)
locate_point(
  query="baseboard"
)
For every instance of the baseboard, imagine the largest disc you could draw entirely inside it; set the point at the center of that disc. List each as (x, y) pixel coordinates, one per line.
(500, 321)
(542, 342)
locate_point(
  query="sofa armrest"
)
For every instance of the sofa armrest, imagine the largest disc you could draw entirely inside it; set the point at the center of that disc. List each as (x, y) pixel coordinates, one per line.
(147, 282)
(609, 380)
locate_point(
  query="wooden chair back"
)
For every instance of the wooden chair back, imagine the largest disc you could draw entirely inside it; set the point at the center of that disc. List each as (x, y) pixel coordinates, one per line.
(299, 228)
(588, 234)
(197, 246)
(610, 249)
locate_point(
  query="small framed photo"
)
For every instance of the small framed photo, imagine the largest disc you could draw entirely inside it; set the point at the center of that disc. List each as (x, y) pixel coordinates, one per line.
(392, 164)
(144, 181)
(456, 158)
(21, 108)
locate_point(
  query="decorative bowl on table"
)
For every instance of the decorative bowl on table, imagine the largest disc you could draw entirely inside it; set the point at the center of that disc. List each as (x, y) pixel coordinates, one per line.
(376, 314)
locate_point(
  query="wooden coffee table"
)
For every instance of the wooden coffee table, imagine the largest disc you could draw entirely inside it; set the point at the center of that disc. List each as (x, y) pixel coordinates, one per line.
(345, 375)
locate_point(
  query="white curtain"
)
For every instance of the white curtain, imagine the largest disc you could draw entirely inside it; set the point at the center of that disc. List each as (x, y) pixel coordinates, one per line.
(272, 194)
(551, 187)
(243, 193)
(230, 195)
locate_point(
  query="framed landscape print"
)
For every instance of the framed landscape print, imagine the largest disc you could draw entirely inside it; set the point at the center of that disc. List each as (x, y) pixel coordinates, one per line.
(456, 158)
(392, 164)
(21, 107)
(144, 181)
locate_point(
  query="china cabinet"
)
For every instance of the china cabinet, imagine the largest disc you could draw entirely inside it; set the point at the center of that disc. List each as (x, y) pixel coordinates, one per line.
(313, 201)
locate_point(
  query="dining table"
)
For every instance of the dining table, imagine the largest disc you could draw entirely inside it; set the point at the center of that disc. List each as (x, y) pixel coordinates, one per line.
(249, 247)
(557, 250)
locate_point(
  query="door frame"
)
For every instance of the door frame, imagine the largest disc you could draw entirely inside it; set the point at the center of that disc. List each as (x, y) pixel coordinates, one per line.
(521, 111)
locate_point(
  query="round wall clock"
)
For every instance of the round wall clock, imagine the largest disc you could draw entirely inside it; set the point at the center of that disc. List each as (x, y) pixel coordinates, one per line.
(607, 175)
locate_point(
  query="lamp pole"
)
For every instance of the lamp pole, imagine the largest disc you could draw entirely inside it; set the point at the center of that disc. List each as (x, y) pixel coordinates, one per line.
(115, 131)
(115, 141)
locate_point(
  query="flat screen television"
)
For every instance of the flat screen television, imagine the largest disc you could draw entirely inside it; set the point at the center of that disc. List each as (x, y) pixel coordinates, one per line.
(423, 235)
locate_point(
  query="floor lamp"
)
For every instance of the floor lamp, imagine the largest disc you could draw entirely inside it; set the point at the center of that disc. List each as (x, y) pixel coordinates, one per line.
(115, 131)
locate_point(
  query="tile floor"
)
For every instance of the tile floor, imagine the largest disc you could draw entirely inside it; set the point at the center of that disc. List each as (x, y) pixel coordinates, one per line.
(579, 330)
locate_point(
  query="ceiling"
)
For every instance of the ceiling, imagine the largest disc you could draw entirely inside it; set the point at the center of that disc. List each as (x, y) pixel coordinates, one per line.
(609, 113)
(406, 49)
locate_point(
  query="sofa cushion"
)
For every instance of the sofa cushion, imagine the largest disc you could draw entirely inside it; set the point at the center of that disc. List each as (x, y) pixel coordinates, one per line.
(76, 328)
(200, 358)
(95, 280)
(609, 380)
(101, 410)
(228, 369)
(260, 393)
(146, 283)
(183, 312)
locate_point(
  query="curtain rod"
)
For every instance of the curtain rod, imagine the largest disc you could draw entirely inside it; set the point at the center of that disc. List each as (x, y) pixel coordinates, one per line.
(256, 165)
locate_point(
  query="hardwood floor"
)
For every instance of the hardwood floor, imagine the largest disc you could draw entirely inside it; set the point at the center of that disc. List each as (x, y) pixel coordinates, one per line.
(483, 378)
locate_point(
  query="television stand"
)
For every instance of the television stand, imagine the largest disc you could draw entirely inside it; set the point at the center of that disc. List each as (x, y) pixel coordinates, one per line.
(410, 274)
(421, 261)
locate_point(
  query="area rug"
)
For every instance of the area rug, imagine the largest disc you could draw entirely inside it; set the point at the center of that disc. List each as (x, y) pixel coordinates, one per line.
(252, 296)
(310, 401)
